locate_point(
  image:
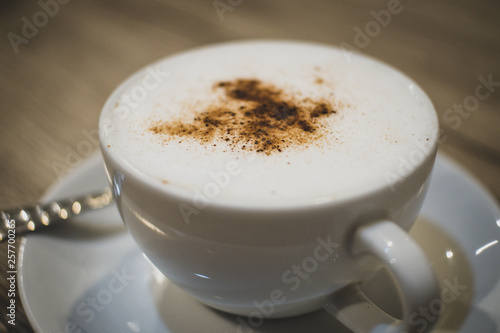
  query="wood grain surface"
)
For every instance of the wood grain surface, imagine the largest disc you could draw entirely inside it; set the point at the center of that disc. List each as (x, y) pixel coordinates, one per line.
(57, 74)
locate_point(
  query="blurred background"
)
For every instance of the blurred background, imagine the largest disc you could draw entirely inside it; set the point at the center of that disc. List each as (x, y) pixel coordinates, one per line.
(61, 59)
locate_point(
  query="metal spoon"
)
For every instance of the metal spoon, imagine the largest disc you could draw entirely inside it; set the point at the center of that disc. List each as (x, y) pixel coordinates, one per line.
(17, 221)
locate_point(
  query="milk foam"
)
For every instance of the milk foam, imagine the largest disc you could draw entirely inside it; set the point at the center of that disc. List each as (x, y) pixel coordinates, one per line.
(381, 119)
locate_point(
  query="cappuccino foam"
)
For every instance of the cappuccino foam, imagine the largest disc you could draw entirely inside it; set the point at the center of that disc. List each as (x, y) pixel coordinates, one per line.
(269, 122)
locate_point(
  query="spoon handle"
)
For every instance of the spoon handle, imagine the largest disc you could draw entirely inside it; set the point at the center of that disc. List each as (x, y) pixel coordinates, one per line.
(17, 221)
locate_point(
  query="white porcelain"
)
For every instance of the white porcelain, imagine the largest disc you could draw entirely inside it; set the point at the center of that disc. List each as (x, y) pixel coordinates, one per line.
(275, 261)
(458, 229)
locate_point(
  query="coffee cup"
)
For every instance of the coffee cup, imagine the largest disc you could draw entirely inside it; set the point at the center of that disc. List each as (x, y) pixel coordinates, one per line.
(271, 178)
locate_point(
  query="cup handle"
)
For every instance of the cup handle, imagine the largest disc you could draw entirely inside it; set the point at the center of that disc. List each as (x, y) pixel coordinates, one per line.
(411, 272)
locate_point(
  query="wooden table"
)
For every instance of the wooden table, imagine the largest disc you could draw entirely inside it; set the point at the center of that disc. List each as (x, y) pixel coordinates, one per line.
(60, 63)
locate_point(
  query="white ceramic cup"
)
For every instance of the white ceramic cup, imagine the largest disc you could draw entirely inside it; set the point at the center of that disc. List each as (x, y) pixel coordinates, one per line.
(280, 261)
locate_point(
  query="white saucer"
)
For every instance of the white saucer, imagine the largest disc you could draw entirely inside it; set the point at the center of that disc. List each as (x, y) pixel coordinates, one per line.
(89, 276)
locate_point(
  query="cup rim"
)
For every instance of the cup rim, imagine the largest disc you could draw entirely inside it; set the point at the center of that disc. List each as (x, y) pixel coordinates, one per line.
(185, 194)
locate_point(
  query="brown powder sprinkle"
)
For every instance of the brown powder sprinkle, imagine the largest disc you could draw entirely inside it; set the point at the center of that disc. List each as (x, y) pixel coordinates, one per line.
(252, 116)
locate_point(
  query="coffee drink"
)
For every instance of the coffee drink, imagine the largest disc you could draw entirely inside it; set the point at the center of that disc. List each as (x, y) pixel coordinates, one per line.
(295, 122)
(266, 177)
